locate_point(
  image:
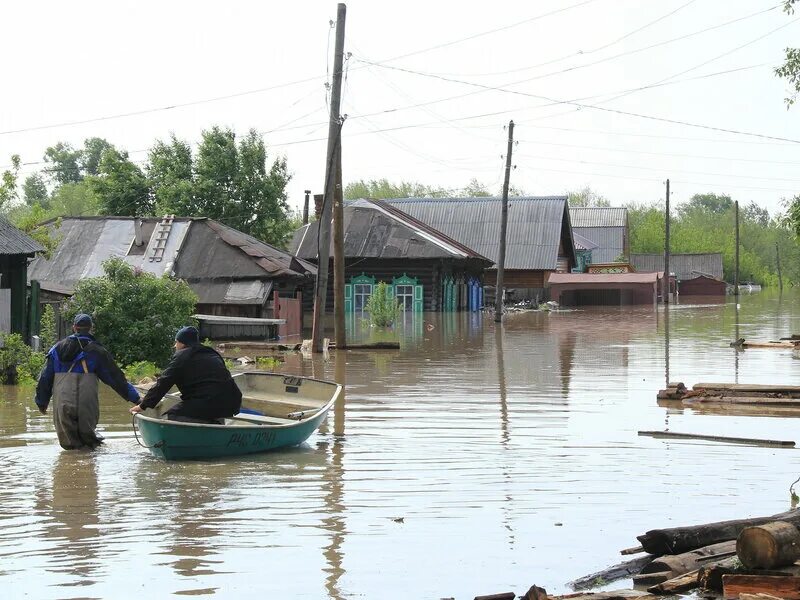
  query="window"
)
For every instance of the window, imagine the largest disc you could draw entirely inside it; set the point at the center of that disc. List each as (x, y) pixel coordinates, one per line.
(405, 297)
(362, 292)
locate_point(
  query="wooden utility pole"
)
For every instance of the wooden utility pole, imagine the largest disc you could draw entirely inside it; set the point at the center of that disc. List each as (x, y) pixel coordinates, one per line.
(501, 259)
(338, 255)
(736, 274)
(305, 208)
(334, 138)
(666, 250)
(778, 259)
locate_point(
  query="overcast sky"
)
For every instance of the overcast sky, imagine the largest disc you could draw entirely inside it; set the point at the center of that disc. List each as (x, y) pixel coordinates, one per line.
(434, 121)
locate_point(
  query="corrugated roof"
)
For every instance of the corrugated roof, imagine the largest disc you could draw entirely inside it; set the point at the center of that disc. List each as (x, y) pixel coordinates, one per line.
(582, 243)
(684, 266)
(535, 226)
(609, 242)
(14, 241)
(603, 278)
(375, 229)
(581, 216)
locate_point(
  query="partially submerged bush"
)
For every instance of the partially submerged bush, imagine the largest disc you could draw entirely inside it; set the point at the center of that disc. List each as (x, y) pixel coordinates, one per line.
(18, 363)
(382, 307)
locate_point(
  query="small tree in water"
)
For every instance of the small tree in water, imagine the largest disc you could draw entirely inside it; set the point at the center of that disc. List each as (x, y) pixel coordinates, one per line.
(383, 309)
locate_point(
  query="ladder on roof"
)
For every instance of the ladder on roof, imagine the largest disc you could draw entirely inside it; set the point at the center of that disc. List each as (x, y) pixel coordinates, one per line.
(161, 236)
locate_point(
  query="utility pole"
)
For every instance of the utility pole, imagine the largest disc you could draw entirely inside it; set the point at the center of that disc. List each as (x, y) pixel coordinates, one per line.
(334, 139)
(338, 255)
(501, 260)
(666, 250)
(736, 274)
(305, 208)
(778, 258)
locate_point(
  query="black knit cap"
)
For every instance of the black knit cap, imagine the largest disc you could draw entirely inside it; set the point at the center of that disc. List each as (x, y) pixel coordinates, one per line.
(188, 336)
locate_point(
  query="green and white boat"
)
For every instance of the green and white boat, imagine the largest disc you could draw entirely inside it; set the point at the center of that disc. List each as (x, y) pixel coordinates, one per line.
(278, 411)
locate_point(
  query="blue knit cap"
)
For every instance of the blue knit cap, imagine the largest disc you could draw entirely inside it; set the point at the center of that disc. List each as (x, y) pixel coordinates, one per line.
(82, 320)
(188, 336)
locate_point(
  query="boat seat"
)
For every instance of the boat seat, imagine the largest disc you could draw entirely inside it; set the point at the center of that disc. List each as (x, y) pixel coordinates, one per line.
(263, 419)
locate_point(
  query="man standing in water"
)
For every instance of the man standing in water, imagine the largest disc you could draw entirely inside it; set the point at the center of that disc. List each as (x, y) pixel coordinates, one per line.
(208, 392)
(70, 377)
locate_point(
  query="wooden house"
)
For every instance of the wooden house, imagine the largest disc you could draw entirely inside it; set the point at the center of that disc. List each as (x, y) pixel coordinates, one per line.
(426, 269)
(538, 243)
(16, 248)
(696, 274)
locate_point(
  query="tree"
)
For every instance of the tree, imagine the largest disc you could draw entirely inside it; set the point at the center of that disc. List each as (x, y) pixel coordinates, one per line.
(120, 186)
(91, 155)
(169, 170)
(382, 189)
(74, 200)
(586, 197)
(136, 314)
(790, 69)
(8, 183)
(475, 189)
(34, 191)
(63, 163)
(710, 203)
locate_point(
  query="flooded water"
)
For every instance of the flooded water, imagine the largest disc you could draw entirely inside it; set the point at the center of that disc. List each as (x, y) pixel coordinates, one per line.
(477, 459)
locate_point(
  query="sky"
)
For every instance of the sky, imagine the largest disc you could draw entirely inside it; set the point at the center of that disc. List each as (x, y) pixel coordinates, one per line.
(429, 89)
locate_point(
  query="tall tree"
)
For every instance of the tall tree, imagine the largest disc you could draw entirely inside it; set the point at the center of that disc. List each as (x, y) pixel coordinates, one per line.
(586, 197)
(8, 183)
(790, 69)
(34, 191)
(382, 189)
(120, 185)
(475, 189)
(91, 154)
(171, 180)
(63, 163)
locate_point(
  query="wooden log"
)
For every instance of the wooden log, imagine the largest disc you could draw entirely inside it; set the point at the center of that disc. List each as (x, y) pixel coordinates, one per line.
(756, 400)
(612, 595)
(650, 579)
(676, 540)
(634, 550)
(679, 564)
(501, 596)
(768, 546)
(747, 387)
(612, 573)
(710, 576)
(676, 585)
(718, 438)
(758, 597)
(786, 587)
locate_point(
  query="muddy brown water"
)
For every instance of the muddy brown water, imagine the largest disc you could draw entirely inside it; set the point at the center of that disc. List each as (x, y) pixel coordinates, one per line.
(474, 460)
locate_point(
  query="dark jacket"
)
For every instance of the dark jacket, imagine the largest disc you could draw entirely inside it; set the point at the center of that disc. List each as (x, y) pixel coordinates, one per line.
(207, 389)
(69, 354)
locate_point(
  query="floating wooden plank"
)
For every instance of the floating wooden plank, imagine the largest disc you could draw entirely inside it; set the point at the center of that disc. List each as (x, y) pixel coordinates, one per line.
(612, 573)
(786, 587)
(779, 345)
(749, 400)
(717, 438)
(502, 596)
(747, 387)
(677, 585)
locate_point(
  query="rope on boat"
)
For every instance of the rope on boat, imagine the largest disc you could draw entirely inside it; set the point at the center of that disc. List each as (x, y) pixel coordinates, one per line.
(136, 435)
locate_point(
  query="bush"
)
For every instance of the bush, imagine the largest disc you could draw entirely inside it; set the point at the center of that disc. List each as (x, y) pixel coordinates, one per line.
(18, 363)
(136, 314)
(383, 309)
(47, 328)
(267, 363)
(140, 370)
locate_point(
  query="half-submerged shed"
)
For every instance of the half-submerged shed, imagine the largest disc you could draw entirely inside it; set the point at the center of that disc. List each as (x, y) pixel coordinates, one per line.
(605, 289)
(697, 274)
(538, 243)
(232, 273)
(607, 227)
(426, 269)
(16, 247)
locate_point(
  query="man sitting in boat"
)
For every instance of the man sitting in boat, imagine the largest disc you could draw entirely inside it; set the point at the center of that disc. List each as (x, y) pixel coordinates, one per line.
(70, 377)
(208, 392)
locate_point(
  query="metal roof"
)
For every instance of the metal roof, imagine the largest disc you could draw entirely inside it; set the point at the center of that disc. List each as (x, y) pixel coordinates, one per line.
(14, 241)
(582, 243)
(376, 229)
(208, 255)
(684, 266)
(609, 242)
(536, 226)
(603, 278)
(581, 216)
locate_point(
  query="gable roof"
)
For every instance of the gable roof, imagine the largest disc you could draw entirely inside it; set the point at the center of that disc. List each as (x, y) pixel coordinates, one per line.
(595, 216)
(196, 249)
(375, 229)
(684, 266)
(15, 241)
(536, 226)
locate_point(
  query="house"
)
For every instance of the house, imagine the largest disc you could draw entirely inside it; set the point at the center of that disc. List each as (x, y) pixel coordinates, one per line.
(16, 248)
(233, 274)
(605, 289)
(427, 270)
(605, 226)
(696, 274)
(538, 242)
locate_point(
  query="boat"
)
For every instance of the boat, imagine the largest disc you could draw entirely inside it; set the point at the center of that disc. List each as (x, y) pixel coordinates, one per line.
(277, 411)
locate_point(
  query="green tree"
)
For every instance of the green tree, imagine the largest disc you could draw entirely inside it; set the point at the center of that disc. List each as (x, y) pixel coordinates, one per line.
(169, 170)
(383, 308)
(8, 183)
(91, 155)
(63, 163)
(586, 197)
(382, 189)
(136, 314)
(34, 191)
(475, 189)
(790, 69)
(120, 186)
(74, 200)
